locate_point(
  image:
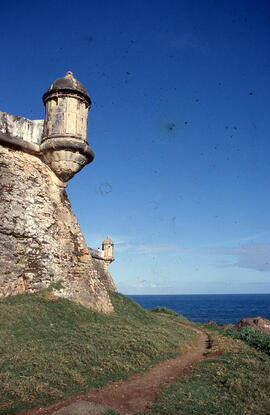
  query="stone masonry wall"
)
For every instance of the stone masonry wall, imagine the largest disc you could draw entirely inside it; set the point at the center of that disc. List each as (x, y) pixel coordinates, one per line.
(40, 238)
(104, 274)
(21, 128)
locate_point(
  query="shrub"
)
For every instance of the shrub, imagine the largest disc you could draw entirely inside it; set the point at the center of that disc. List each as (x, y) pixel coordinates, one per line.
(164, 310)
(253, 337)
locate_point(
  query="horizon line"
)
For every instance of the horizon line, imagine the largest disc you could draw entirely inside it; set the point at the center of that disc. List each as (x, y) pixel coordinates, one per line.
(205, 294)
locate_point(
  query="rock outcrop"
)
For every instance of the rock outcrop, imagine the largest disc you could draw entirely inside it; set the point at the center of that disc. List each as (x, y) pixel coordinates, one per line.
(258, 323)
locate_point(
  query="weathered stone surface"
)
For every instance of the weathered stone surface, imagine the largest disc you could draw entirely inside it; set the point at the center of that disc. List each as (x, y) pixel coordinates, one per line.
(21, 128)
(103, 274)
(64, 142)
(102, 259)
(40, 238)
(259, 323)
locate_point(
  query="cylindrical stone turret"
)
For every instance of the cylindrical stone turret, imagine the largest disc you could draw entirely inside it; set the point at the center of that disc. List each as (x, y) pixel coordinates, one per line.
(64, 144)
(107, 247)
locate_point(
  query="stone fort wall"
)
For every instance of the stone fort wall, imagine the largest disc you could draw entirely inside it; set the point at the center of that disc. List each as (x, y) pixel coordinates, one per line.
(40, 239)
(41, 242)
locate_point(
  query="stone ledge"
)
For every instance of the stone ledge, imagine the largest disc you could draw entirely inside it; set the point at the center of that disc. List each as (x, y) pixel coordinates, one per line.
(68, 144)
(21, 128)
(27, 146)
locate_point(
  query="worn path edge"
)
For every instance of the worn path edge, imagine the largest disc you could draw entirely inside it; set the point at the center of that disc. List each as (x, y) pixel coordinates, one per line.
(134, 395)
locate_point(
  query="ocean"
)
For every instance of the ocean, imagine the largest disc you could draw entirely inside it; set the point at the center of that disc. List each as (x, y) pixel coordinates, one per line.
(221, 308)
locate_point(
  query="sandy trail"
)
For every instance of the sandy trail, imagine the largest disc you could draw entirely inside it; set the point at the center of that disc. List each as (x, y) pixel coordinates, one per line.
(134, 395)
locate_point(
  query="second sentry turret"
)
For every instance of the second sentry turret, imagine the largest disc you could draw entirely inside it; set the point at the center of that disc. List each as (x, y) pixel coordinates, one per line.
(107, 248)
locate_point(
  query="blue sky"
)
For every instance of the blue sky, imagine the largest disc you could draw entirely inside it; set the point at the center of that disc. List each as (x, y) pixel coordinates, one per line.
(179, 125)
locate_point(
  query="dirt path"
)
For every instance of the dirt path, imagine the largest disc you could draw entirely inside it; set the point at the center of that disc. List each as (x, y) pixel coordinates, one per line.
(134, 395)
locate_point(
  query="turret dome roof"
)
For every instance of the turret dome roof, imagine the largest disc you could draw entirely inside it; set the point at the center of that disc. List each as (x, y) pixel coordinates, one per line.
(107, 241)
(67, 83)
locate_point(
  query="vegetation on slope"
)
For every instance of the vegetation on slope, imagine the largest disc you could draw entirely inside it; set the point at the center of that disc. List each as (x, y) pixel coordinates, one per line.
(253, 337)
(236, 380)
(165, 310)
(53, 348)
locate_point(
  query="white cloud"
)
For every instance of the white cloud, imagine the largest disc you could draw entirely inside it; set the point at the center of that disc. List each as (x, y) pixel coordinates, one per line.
(251, 256)
(142, 287)
(154, 249)
(122, 247)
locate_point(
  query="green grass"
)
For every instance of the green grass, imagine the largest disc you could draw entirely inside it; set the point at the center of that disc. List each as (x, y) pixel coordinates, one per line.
(169, 312)
(253, 337)
(53, 348)
(236, 381)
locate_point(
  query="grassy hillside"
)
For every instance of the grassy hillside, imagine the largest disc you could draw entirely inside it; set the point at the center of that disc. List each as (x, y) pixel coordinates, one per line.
(236, 380)
(52, 348)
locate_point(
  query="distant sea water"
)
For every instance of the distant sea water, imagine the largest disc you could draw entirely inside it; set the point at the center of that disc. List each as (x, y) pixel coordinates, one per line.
(222, 308)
